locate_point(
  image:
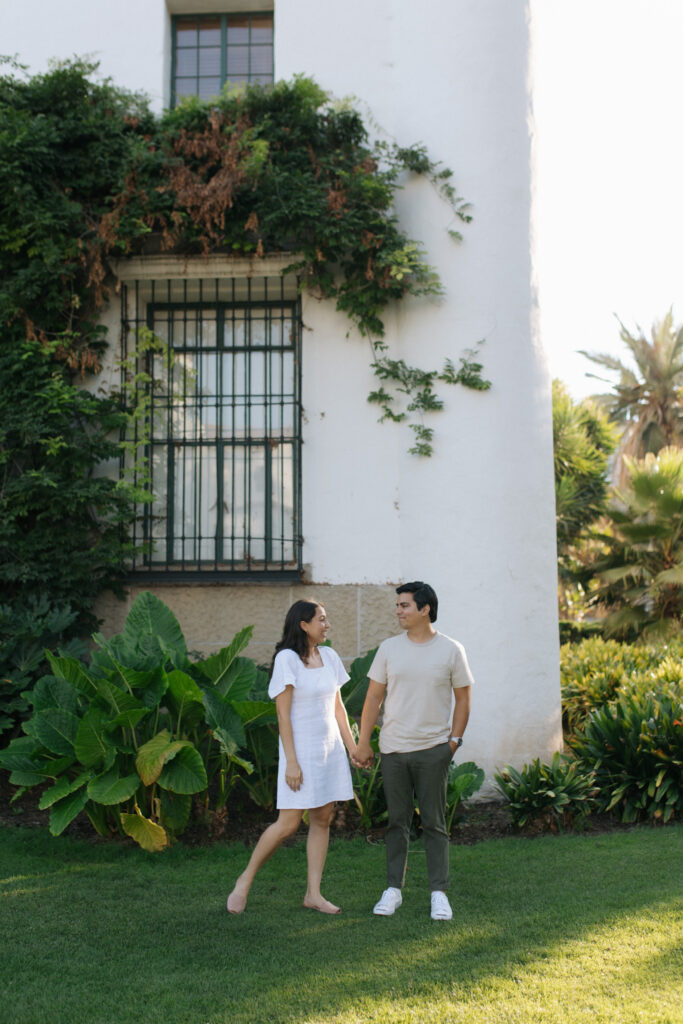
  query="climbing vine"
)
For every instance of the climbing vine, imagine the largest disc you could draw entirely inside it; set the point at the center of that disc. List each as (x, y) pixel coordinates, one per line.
(266, 170)
(88, 173)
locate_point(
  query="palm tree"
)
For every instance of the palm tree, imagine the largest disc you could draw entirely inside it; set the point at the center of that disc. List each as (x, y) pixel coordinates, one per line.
(649, 399)
(641, 569)
(583, 440)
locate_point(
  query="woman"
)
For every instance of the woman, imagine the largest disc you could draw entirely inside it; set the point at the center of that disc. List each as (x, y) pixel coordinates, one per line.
(313, 770)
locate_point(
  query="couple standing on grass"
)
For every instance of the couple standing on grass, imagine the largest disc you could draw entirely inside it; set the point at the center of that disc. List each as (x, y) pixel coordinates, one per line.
(423, 680)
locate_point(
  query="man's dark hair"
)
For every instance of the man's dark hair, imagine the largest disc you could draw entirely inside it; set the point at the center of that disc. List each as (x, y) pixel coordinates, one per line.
(422, 594)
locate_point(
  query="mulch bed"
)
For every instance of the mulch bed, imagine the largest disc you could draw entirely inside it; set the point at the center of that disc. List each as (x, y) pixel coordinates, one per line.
(480, 820)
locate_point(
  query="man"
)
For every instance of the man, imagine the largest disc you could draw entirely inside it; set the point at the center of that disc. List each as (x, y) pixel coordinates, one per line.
(416, 676)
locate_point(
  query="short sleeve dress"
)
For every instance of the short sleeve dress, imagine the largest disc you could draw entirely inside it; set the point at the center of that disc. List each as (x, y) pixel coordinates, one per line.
(319, 747)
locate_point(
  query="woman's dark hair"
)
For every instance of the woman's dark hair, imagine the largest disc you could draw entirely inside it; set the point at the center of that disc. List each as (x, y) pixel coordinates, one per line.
(422, 594)
(293, 636)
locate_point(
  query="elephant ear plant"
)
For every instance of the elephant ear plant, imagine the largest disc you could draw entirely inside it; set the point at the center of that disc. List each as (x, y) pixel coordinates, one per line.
(131, 737)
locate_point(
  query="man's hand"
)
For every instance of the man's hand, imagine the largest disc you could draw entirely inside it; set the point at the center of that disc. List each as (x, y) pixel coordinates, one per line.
(365, 755)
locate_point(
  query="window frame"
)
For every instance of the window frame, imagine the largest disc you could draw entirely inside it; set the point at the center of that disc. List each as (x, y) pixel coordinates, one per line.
(179, 568)
(223, 16)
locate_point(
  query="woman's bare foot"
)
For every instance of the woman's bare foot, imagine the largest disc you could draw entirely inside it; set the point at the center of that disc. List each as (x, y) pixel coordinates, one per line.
(324, 906)
(237, 900)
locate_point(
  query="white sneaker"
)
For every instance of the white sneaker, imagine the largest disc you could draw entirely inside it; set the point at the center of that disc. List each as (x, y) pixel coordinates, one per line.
(441, 908)
(389, 901)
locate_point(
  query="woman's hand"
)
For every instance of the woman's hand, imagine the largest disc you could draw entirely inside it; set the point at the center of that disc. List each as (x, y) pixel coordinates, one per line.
(293, 775)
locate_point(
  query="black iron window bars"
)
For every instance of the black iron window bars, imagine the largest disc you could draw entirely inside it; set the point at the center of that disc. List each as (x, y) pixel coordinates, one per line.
(220, 438)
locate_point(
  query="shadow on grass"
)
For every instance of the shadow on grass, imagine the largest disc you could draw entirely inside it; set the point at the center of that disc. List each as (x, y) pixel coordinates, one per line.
(109, 934)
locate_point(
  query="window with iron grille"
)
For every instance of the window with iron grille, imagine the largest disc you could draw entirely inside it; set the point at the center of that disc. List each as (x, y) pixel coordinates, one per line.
(222, 434)
(211, 49)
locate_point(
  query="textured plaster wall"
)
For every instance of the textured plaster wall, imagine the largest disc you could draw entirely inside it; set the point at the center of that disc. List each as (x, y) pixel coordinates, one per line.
(476, 520)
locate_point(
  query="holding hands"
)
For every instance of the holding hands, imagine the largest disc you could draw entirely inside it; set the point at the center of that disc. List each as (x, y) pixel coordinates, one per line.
(364, 756)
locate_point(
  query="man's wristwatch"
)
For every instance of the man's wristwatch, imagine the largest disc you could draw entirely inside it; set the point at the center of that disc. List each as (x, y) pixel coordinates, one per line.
(455, 739)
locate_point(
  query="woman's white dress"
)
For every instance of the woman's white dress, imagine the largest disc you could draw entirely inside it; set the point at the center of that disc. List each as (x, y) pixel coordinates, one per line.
(317, 741)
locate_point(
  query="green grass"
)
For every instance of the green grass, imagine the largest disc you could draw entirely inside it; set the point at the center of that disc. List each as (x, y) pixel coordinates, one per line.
(567, 929)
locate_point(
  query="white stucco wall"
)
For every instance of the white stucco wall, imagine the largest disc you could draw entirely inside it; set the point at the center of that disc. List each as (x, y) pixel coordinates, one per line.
(129, 38)
(477, 519)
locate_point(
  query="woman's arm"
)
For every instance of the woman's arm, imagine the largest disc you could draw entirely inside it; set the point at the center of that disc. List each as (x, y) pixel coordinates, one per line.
(343, 723)
(283, 706)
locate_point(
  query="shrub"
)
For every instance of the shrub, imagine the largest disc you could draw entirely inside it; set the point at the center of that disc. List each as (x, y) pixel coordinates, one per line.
(464, 780)
(368, 791)
(635, 747)
(132, 737)
(597, 671)
(25, 632)
(556, 795)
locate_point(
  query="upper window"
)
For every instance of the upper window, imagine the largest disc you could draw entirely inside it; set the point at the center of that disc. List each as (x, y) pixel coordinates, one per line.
(211, 49)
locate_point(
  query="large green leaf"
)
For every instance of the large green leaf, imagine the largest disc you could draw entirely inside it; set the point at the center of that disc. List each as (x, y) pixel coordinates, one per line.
(356, 687)
(25, 778)
(65, 810)
(92, 743)
(73, 672)
(256, 712)
(133, 679)
(54, 692)
(220, 714)
(19, 753)
(111, 788)
(56, 730)
(175, 810)
(215, 667)
(148, 834)
(153, 755)
(185, 773)
(62, 788)
(152, 628)
(127, 709)
(238, 681)
(154, 689)
(182, 689)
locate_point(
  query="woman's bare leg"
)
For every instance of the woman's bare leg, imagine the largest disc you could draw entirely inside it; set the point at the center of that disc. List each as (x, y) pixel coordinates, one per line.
(285, 825)
(316, 851)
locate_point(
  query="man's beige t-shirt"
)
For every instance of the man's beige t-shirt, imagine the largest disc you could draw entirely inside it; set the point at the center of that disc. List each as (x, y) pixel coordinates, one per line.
(420, 679)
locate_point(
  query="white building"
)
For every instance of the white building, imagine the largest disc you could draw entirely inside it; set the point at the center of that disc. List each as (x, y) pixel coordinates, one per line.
(476, 520)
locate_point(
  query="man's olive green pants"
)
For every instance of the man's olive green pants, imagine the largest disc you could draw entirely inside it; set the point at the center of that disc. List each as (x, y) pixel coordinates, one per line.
(423, 773)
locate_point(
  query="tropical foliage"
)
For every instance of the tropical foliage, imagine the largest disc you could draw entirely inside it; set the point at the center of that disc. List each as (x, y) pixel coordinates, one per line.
(596, 672)
(25, 636)
(555, 795)
(640, 568)
(622, 708)
(646, 397)
(583, 440)
(134, 735)
(635, 747)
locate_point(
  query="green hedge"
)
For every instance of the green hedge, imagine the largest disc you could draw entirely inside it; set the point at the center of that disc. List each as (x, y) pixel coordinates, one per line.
(622, 709)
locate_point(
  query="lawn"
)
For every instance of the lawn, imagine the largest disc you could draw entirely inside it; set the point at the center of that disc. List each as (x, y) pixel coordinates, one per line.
(567, 929)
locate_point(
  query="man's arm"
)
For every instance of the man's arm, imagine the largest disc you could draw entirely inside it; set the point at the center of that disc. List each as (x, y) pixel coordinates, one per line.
(368, 719)
(461, 712)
